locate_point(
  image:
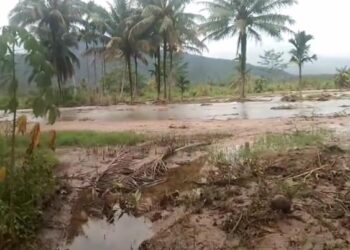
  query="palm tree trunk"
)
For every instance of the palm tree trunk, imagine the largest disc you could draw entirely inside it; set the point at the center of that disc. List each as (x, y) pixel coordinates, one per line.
(136, 73)
(87, 64)
(103, 69)
(123, 82)
(158, 73)
(171, 73)
(243, 63)
(300, 80)
(95, 67)
(128, 60)
(14, 97)
(164, 67)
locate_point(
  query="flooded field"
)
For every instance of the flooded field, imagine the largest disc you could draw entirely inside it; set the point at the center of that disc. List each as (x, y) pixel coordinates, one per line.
(262, 108)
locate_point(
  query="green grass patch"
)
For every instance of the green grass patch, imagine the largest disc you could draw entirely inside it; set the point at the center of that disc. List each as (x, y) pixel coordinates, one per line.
(282, 142)
(87, 139)
(278, 143)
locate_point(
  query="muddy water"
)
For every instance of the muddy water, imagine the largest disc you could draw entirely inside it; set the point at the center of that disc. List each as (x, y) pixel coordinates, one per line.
(215, 111)
(127, 232)
(178, 179)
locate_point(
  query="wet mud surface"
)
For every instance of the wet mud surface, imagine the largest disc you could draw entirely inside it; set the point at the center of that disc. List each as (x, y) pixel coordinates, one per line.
(169, 194)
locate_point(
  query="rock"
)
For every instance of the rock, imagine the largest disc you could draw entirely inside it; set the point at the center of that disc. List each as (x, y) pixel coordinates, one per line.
(156, 216)
(83, 216)
(290, 98)
(206, 104)
(281, 203)
(283, 107)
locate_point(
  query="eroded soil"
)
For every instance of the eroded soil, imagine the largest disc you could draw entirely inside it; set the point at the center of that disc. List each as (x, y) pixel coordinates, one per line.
(187, 201)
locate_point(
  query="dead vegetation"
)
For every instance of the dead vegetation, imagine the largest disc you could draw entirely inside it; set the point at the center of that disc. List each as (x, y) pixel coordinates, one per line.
(279, 200)
(283, 192)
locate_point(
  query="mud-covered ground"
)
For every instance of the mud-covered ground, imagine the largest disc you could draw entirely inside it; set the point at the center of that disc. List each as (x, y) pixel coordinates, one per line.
(174, 192)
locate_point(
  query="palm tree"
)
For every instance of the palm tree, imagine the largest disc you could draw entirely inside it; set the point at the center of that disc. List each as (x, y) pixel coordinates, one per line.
(245, 18)
(56, 24)
(118, 23)
(301, 52)
(170, 24)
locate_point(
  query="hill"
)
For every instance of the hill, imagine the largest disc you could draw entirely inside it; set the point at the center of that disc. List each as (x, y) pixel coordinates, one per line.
(201, 70)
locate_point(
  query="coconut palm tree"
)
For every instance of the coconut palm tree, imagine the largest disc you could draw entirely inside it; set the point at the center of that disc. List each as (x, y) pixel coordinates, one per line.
(119, 21)
(301, 52)
(56, 24)
(172, 25)
(245, 18)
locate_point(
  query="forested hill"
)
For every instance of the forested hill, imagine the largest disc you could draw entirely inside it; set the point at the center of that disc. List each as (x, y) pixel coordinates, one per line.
(201, 70)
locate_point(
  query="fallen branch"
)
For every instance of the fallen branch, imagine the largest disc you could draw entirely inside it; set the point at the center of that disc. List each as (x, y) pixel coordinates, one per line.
(192, 146)
(220, 183)
(310, 172)
(237, 224)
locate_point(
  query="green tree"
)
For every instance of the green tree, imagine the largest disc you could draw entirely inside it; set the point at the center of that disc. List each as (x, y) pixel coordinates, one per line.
(272, 60)
(301, 52)
(342, 78)
(56, 24)
(116, 24)
(246, 18)
(172, 28)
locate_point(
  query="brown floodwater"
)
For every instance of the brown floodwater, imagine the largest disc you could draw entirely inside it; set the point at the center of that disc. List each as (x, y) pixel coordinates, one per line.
(197, 112)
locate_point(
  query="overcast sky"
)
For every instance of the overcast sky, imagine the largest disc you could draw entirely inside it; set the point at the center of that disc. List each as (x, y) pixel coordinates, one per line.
(327, 20)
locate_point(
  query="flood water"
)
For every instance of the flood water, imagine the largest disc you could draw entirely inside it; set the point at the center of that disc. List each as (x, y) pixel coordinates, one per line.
(216, 111)
(126, 233)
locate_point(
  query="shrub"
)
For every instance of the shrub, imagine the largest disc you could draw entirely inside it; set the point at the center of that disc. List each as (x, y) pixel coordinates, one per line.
(22, 195)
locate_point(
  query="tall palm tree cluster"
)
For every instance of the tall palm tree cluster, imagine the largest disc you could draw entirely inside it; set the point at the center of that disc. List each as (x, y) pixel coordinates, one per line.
(140, 31)
(130, 30)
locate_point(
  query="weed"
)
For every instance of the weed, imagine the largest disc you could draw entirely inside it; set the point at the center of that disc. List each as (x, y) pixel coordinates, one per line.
(282, 142)
(87, 139)
(22, 196)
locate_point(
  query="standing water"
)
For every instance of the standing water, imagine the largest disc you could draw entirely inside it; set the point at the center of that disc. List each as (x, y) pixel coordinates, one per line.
(127, 232)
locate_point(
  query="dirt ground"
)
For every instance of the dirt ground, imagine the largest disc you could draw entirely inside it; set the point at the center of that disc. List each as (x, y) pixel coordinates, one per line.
(190, 202)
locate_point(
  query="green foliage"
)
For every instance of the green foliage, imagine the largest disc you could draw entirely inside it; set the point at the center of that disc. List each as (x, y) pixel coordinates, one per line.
(22, 195)
(259, 85)
(245, 18)
(54, 23)
(268, 143)
(300, 52)
(283, 142)
(342, 78)
(272, 60)
(86, 139)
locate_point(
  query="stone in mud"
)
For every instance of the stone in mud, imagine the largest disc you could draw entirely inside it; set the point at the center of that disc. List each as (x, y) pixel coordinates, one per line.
(281, 203)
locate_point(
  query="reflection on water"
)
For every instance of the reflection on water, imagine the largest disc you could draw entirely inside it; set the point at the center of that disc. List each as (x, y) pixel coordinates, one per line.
(216, 111)
(128, 232)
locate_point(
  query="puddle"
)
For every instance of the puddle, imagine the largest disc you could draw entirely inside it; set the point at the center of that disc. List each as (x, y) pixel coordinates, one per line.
(178, 179)
(127, 232)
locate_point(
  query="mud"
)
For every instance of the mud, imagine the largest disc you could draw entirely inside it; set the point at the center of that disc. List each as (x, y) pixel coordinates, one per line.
(240, 216)
(195, 203)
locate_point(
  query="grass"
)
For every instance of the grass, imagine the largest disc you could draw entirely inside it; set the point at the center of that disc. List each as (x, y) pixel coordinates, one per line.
(87, 139)
(277, 143)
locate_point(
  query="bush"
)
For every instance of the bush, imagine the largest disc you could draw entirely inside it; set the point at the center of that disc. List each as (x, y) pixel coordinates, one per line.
(22, 195)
